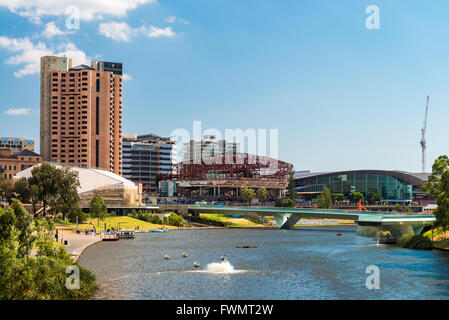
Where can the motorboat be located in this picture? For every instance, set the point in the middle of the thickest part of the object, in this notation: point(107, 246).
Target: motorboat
point(126, 234)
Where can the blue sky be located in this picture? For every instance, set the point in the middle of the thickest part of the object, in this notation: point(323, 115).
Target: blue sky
point(341, 96)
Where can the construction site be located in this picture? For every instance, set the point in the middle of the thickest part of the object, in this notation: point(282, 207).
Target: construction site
point(222, 176)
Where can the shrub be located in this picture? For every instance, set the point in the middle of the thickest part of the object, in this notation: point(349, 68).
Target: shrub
point(278, 203)
point(58, 218)
point(412, 241)
point(289, 203)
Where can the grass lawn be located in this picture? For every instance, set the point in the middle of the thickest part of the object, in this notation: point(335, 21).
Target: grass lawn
point(439, 239)
point(113, 222)
point(230, 221)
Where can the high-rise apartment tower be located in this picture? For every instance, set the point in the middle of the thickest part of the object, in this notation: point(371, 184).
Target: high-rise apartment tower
point(81, 113)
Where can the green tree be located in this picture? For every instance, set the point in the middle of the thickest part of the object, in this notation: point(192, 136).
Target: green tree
point(433, 185)
point(68, 184)
point(288, 203)
point(24, 227)
point(6, 190)
point(338, 197)
point(248, 194)
point(23, 277)
point(291, 185)
point(22, 190)
point(278, 203)
point(262, 194)
point(438, 186)
point(154, 218)
point(76, 213)
point(175, 219)
point(7, 222)
point(45, 178)
point(98, 208)
point(354, 197)
point(442, 211)
point(324, 200)
point(374, 197)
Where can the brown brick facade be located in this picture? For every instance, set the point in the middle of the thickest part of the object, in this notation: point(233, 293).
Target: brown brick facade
point(86, 118)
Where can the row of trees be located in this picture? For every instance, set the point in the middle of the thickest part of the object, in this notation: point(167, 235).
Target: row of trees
point(249, 194)
point(327, 198)
point(173, 219)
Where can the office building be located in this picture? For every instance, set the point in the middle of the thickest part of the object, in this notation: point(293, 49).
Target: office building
point(392, 186)
point(15, 144)
point(147, 159)
point(81, 113)
point(208, 147)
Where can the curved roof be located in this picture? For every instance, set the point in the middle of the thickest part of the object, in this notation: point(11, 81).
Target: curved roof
point(91, 179)
point(411, 178)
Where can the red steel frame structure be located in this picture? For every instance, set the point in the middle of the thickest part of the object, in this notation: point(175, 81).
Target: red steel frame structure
point(232, 166)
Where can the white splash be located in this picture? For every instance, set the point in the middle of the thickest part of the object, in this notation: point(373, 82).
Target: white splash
point(224, 267)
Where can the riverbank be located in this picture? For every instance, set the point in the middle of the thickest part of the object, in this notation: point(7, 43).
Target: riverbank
point(77, 243)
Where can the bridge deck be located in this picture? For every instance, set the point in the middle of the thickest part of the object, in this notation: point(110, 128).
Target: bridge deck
point(374, 217)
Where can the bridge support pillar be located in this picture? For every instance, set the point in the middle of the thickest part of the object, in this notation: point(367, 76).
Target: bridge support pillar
point(286, 220)
point(398, 230)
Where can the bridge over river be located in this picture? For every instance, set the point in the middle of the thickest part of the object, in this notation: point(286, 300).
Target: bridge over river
point(397, 223)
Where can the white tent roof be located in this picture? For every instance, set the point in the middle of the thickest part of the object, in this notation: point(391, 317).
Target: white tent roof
point(91, 179)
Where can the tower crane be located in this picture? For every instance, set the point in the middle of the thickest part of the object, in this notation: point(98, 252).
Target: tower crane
point(423, 138)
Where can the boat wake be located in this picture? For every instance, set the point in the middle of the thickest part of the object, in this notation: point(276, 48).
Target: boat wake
point(224, 267)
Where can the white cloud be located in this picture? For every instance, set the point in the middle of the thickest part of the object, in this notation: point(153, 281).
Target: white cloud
point(89, 9)
point(18, 111)
point(173, 19)
point(127, 77)
point(120, 31)
point(29, 54)
point(183, 21)
point(51, 30)
point(153, 32)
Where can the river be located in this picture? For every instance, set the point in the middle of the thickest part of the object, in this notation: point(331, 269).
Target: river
point(287, 264)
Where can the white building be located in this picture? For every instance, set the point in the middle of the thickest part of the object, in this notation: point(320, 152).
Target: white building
point(116, 191)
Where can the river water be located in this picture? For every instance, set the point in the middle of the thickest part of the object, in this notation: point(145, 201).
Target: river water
point(287, 264)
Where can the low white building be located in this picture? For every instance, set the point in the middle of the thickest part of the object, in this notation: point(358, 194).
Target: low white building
point(116, 191)
point(430, 208)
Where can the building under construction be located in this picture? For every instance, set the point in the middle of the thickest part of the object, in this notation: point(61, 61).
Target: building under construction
point(224, 174)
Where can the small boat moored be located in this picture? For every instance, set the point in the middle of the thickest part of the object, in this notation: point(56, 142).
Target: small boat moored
point(126, 234)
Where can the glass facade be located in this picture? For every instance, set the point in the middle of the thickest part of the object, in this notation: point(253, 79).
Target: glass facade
point(389, 187)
